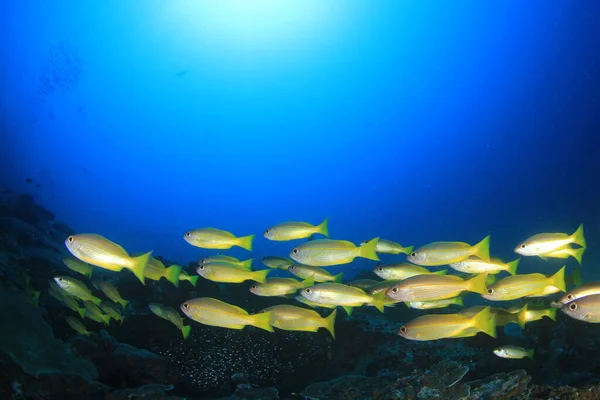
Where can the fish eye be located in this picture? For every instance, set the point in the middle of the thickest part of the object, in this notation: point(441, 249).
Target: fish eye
point(201, 267)
point(380, 269)
point(573, 307)
point(307, 290)
point(186, 305)
point(188, 234)
point(394, 290)
point(295, 251)
point(523, 246)
point(569, 297)
point(293, 267)
point(413, 254)
point(490, 291)
point(403, 329)
point(70, 239)
point(267, 231)
point(253, 287)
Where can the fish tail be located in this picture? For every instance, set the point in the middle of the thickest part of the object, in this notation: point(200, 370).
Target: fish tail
point(96, 300)
point(441, 272)
point(367, 250)
point(578, 237)
point(246, 264)
point(245, 242)
point(338, 278)
point(379, 301)
point(522, 316)
point(185, 331)
point(89, 274)
point(552, 313)
point(348, 310)
point(310, 281)
point(512, 266)
point(478, 284)
point(576, 278)
point(86, 333)
point(330, 323)
point(491, 279)
point(139, 265)
point(172, 274)
point(482, 249)
point(558, 280)
point(81, 312)
point(323, 228)
point(194, 280)
point(577, 254)
point(123, 303)
point(485, 321)
point(530, 354)
point(408, 250)
point(106, 319)
point(460, 300)
point(263, 321)
point(260, 276)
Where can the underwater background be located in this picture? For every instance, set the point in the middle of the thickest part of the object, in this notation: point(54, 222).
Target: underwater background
point(410, 121)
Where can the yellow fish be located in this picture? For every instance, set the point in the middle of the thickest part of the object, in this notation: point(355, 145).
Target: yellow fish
point(429, 305)
point(213, 312)
point(76, 288)
point(435, 287)
point(111, 292)
point(211, 238)
point(101, 252)
point(585, 309)
point(442, 326)
point(517, 286)
point(503, 317)
point(292, 318)
point(513, 352)
point(155, 270)
point(313, 304)
point(338, 294)
point(442, 253)
point(475, 265)
point(80, 267)
point(318, 274)
point(565, 252)
point(172, 316)
point(183, 276)
point(362, 283)
point(282, 263)
point(246, 264)
point(389, 247)
point(77, 326)
point(112, 311)
point(95, 314)
point(218, 272)
point(530, 313)
point(280, 286)
point(584, 290)
point(296, 230)
point(544, 243)
point(326, 252)
point(403, 271)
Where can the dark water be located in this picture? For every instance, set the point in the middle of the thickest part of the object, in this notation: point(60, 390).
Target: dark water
point(413, 122)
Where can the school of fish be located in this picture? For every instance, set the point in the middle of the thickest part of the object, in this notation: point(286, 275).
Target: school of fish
point(410, 282)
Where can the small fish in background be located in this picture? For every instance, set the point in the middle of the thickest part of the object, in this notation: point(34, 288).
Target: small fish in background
point(67, 300)
point(318, 274)
point(292, 318)
point(77, 326)
point(183, 276)
point(442, 253)
point(112, 311)
point(435, 287)
point(532, 313)
point(171, 315)
point(362, 283)
point(389, 247)
point(101, 252)
point(280, 286)
point(246, 264)
point(78, 266)
point(223, 273)
point(337, 294)
point(111, 292)
point(429, 305)
point(403, 271)
point(211, 238)
point(327, 252)
point(586, 309)
point(514, 352)
point(293, 230)
point(554, 245)
point(95, 313)
point(518, 286)
point(213, 312)
point(444, 326)
point(76, 288)
point(503, 317)
point(282, 263)
point(156, 270)
point(475, 265)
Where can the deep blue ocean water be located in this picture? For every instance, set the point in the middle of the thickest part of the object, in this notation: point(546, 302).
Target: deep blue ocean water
point(412, 121)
